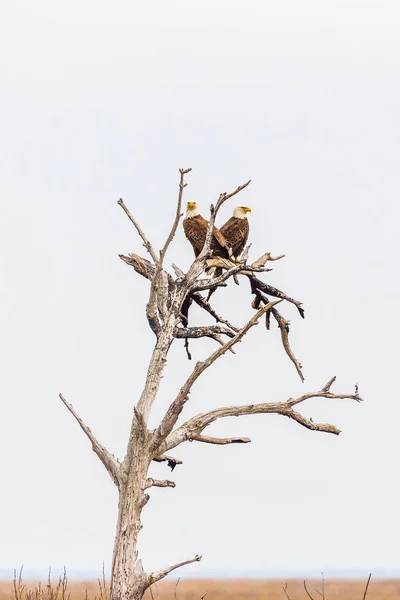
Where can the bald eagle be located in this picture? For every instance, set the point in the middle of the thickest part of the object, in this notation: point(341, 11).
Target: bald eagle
point(236, 230)
point(195, 228)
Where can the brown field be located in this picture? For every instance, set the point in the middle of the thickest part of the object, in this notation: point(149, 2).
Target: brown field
point(231, 589)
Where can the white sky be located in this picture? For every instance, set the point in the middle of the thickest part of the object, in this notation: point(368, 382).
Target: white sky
point(101, 100)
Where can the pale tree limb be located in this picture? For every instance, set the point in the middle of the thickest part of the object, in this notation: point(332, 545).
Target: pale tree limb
point(195, 426)
point(150, 482)
point(265, 258)
point(157, 575)
point(176, 407)
point(220, 441)
point(112, 465)
point(159, 295)
point(145, 241)
point(178, 215)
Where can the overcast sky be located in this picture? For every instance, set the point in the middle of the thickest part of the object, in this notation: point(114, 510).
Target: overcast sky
point(102, 100)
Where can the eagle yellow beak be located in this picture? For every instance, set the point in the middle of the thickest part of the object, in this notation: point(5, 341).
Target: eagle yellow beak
point(191, 204)
point(247, 209)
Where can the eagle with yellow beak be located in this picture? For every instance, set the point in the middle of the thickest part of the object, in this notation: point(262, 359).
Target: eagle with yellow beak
point(236, 230)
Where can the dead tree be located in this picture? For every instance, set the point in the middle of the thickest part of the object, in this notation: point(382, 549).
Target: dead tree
point(167, 312)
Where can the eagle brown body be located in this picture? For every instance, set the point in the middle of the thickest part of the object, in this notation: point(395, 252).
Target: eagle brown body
point(195, 228)
point(236, 230)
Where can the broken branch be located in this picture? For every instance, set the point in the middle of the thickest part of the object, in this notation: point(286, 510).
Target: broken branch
point(150, 482)
point(157, 575)
point(109, 461)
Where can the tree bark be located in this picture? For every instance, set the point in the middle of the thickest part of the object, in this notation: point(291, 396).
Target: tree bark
point(128, 579)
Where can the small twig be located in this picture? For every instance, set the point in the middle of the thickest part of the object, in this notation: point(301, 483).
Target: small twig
point(157, 575)
point(327, 387)
point(109, 461)
point(146, 242)
point(366, 587)
point(224, 197)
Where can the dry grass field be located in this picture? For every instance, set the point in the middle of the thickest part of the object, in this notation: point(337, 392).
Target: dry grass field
point(231, 589)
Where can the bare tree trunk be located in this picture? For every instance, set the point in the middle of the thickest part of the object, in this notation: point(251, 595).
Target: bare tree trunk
point(128, 579)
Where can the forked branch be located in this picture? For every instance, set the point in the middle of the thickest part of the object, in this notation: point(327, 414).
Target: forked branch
point(157, 575)
point(194, 427)
point(109, 461)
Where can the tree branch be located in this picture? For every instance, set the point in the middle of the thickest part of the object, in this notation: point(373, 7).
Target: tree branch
point(258, 285)
point(193, 428)
point(109, 461)
point(170, 460)
point(220, 441)
point(205, 284)
point(283, 325)
point(176, 407)
point(146, 242)
point(199, 332)
point(157, 575)
point(178, 215)
point(150, 482)
point(205, 305)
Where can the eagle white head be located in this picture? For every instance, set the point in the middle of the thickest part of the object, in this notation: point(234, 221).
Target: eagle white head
point(240, 212)
point(191, 210)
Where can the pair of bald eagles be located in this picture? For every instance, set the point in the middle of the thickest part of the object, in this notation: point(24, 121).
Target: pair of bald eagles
point(228, 241)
